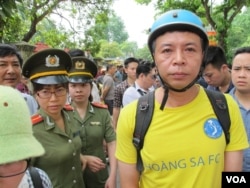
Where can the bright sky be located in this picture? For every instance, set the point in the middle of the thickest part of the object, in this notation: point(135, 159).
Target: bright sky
point(137, 19)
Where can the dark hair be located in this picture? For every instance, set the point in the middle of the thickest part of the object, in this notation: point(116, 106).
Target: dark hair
point(144, 68)
point(37, 87)
point(76, 52)
point(10, 50)
point(130, 60)
point(241, 50)
point(215, 56)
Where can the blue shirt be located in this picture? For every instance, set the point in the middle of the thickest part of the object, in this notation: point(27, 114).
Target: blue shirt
point(246, 118)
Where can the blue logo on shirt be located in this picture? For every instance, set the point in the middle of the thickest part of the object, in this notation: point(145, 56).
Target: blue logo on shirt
point(213, 128)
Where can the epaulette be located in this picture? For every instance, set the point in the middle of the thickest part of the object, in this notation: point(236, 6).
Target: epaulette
point(99, 105)
point(36, 118)
point(68, 107)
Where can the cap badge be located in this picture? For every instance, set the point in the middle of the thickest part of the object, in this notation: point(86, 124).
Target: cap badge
point(80, 65)
point(52, 61)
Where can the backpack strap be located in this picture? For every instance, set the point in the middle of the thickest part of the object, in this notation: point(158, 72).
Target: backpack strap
point(220, 107)
point(36, 178)
point(145, 108)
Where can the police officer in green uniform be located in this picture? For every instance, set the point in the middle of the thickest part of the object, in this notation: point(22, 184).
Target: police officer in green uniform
point(95, 123)
point(54, 125)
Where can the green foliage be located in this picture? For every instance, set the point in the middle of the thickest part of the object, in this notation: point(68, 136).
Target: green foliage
point(109, 50)
point(115, 30)
point(111, 29)
point(128, 48)
point(33, 12)
point(143, 53)
point(49, 33)
point(216, 15)
point(13, 34)
point(238, 32)
point(143, 1)
point(7, 8)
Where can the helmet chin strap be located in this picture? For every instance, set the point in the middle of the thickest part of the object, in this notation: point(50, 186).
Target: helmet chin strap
point(167, 87)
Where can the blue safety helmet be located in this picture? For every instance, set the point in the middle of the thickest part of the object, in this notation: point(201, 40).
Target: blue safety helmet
point(177, 20)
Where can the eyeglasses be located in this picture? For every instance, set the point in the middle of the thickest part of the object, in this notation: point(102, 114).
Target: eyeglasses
point(14, 169)
point(45, 94)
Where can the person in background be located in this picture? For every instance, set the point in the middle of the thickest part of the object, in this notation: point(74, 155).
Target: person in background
point(157, 82)
point(95, 91)
point(95, 123)
point(108, 88)
point(99, 78)
point(118, 77)
point(241, 93)
point(17, 143)
point(54, 124)
point(22, 86)
point(177, 43)
point(130, 65)
point(145, 79)
point(216, 72)
point(10, 72)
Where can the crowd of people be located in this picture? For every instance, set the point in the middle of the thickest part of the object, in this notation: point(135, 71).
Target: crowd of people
point(73, 122)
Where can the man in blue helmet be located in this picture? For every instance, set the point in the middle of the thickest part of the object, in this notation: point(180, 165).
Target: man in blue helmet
point(184, 145)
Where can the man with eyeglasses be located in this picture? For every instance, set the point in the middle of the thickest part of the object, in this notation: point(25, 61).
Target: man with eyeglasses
point(17, 143)
point(145, 79)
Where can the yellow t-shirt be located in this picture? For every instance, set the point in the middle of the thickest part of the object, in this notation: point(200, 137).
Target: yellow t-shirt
point(184, 146)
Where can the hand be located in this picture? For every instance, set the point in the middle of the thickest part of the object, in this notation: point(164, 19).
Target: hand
point(95, 164)
point(83, 161)
point(110, 183)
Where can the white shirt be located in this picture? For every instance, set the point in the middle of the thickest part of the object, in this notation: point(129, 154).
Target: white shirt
point(132, 93)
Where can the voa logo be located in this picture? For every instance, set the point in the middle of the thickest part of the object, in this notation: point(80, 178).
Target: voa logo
point(236, 179)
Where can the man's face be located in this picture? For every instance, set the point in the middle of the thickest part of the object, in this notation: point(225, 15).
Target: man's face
point(213, 76)
point(10, 71)
point(112, 70)
point(149, 79)
point(131, 70)
point(241, 72)
point(178, 56)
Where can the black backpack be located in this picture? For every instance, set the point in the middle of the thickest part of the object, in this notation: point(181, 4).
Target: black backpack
point(145, 108)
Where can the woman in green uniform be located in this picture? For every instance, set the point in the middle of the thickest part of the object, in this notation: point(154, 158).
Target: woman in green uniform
point(95, 123)
point(54, 125)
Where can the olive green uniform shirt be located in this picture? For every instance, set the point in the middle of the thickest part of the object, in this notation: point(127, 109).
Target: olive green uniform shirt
point(62, 150)
point(95, 127)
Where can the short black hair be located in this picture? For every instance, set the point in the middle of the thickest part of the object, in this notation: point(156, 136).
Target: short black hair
point(144, 68)
point(241, 50)
point(10, 50)
point(130, 60)
point(215, 56)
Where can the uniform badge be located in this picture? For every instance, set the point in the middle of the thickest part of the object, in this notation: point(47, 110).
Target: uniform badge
point(52, 61)
point(95, 123)
point(80, 65)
